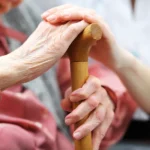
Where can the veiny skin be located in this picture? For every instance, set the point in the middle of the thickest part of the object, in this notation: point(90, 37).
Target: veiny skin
point(47, 44)
point(106, 50)
point(96, 102)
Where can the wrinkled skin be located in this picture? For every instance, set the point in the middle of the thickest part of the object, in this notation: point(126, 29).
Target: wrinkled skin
point(97, 103)
point(6, 5)
point(43, 48)
point(106, 50)
point(96, 100)
point(40, 52)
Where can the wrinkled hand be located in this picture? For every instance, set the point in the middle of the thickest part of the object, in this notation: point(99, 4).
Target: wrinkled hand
point(6, 5)
point(106, 50)
point(97, 103)
point(43, 48)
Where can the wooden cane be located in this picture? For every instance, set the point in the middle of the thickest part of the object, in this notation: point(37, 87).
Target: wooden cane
point(78, 53)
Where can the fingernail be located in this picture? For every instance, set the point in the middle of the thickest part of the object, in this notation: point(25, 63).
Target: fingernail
point(51, 18)
point(68, 116)
point(44, 14)
point(77, 135)
point(68, 121)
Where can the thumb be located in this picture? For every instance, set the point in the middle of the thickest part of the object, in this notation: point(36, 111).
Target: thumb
point(66, 105)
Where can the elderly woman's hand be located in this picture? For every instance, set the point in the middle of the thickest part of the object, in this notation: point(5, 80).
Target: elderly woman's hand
point(94, 101)
point(106, 50)
point(43, 48)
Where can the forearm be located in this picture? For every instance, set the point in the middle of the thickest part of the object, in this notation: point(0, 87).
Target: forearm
point(11, 72)
point(136, 77)
point(7, 73)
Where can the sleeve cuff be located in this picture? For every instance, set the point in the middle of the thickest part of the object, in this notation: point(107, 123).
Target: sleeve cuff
point(112, 95)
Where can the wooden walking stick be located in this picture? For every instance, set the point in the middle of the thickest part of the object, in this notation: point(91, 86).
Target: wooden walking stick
point(78, 53)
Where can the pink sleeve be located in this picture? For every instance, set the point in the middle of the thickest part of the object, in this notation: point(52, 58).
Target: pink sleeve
point(15, 138)
point(25, 124)
point(125, 106)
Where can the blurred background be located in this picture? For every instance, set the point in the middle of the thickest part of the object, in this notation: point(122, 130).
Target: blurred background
point(130, 25)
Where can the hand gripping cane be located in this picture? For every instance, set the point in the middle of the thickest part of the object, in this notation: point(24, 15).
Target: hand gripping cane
point(78, 53)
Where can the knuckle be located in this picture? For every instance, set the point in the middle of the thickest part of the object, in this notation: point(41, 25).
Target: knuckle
point(73, 29)
point(83, 95)
point(110, 115)
point(85, 130)
point(101, 135)
point(103, 92)
point(59, 15)
point(76, 116)
point(93, 102)
point(95, 82)
point(100, 114)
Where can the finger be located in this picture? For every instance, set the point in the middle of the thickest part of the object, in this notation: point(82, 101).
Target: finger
point(54, 10)
point(90, 87)
point(97, 19)
point(100, 132)
point(73, 30)
point(74, 13)
point(92, 18)
point(91, 123)
point(64, 35)
point(66, 105)
point(84, 109)
point(68, 92)
point(64, 15)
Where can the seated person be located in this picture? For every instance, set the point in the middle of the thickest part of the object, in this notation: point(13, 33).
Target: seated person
point(25, 122)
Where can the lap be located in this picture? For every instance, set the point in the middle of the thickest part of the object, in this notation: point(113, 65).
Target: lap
point(13, 137)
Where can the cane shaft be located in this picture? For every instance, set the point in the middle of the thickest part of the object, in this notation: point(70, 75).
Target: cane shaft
point(78, 54)
point(79, 74)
